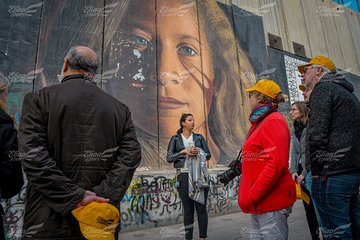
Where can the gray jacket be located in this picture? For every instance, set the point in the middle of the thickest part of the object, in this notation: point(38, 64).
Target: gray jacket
point(298, 153)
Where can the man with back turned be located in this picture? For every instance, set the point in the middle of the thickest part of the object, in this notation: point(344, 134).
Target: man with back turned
point(79, 145)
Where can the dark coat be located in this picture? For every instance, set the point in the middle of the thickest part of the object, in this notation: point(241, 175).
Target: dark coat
point(334, 129)
point(11, 176)
point(176, 145)
point(75, 138)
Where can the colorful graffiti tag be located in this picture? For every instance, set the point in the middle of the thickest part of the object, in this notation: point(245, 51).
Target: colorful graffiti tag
point(151, 201)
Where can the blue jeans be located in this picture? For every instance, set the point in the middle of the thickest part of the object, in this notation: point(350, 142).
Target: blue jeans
point(337, 201)
point(308, 181)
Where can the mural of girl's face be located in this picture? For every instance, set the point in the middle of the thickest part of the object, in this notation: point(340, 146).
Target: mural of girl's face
point(174, 69)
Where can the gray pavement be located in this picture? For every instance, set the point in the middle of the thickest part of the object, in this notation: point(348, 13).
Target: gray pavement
point(228, 227)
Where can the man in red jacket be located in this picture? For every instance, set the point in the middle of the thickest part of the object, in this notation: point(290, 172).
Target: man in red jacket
point(266, 190)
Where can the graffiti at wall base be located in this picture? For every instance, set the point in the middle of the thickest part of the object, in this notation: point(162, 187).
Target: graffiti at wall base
point(151, 201)
point(14, 213)
point(154, 201)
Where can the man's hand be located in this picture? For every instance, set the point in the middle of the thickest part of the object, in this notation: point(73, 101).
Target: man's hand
point(91, 197)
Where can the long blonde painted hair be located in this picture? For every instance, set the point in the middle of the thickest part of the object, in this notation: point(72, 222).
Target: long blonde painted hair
point(3, 91)
point(228, 117)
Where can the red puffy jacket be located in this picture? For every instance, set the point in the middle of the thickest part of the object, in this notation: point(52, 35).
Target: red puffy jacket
point(266, 184)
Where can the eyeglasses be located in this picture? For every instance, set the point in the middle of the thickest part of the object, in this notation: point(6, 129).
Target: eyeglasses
point(309, 67)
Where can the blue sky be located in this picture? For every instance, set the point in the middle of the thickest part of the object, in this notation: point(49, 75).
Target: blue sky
point(353, 4)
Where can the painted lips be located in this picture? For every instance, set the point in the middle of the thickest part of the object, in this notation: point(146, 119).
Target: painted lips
point(170, 103)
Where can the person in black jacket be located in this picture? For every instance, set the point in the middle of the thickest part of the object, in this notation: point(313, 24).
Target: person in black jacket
point(184, 151)
point(79, 145)
point(11, 177)
point(334, 149)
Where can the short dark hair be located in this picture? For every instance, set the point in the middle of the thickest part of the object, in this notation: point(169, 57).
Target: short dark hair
point(79, 61)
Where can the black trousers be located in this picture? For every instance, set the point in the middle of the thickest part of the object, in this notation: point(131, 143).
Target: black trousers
point(310, 212)
point(189, 205)
point(311, 216)
point(2, 233)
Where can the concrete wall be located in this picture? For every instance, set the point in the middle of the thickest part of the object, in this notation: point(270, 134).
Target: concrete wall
point(34, 41)
point(322, 26)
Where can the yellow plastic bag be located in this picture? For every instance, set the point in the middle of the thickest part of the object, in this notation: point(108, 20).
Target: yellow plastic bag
point(300, 194)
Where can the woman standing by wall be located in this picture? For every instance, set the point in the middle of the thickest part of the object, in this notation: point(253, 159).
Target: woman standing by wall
point(184, 151)
point(299, 113)
point(11, 178)
point(266, 189)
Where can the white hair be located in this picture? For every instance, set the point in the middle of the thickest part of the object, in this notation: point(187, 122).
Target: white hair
point(325, 69)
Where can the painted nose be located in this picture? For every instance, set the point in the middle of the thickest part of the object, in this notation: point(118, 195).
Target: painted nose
point(168, 67)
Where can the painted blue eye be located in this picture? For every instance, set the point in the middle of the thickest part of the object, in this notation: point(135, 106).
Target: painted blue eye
point(188, 51)
point(140, 41)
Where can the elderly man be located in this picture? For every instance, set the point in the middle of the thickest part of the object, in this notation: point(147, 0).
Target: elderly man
point(334, 149)
point(78, 145)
